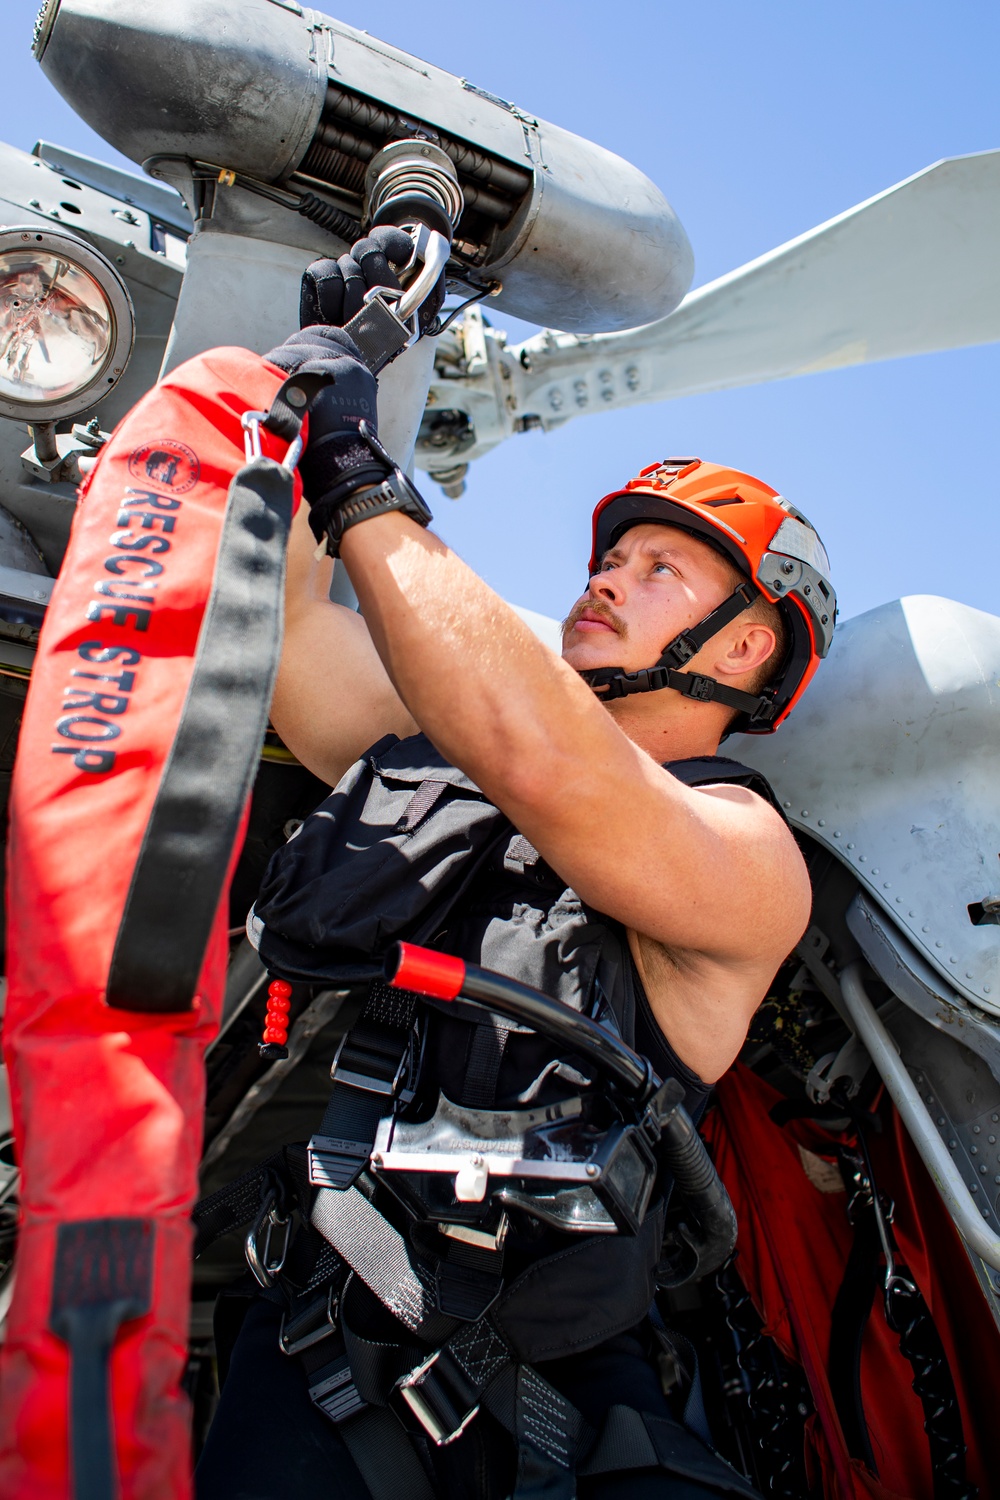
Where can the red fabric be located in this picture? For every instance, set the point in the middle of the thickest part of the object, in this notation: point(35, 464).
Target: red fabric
point(793, 1246)
point(108, 1103)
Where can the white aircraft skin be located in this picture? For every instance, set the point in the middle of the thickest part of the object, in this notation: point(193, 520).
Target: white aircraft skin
point(889, 764)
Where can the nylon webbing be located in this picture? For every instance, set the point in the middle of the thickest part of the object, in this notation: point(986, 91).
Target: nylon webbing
point(365, 1078)
point(385, 1457)
point(377, 1253)
point(174, 892)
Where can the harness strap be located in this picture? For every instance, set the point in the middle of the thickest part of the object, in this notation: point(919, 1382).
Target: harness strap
point(367, 1075)
point(686, 645)
point(377, 1253)
point(384, 1457)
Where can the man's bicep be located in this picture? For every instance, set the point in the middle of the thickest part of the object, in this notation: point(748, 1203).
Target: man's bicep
point(713, 872)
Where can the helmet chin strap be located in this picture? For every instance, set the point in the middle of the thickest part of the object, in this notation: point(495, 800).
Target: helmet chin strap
point(615, 682)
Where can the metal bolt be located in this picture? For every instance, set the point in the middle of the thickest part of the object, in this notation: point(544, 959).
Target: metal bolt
point(976, 1129)
point(477, 1161)
point(376, 1158)
point(788, 567)
point(941, 1120)
point(591, 1170)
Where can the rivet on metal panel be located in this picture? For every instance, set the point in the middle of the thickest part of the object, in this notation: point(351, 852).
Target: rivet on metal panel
point(836, 833)
point(850, 846)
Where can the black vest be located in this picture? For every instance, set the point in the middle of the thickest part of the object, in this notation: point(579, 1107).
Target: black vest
point(407, 847)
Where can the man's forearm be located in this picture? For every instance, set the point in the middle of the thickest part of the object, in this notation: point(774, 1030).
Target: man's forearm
point(333, 698)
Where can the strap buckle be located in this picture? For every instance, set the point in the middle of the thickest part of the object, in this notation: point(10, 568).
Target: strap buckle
point(439, 1394)
point(264, 1267)
point(310, 1326)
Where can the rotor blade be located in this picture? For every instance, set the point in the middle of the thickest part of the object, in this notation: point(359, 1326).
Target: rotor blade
point(912, 270)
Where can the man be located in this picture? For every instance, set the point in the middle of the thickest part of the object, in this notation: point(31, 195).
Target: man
point(703, 881)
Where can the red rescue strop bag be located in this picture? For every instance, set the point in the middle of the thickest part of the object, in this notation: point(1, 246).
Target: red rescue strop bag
point(127, 811)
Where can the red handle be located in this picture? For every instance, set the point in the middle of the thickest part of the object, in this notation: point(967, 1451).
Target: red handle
point(429, 973)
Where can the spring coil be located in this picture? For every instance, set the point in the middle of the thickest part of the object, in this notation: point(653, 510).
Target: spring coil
point(334, 166)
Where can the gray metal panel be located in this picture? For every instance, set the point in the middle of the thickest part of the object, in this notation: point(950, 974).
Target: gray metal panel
point(891, 761)
point(189, 77)
point(160, 202)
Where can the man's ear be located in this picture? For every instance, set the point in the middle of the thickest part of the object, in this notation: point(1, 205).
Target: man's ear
point(749, 648)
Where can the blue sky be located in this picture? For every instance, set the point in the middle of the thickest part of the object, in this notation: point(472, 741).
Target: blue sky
point(758, 122)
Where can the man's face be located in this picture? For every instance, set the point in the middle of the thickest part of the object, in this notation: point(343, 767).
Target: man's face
point(655, 582)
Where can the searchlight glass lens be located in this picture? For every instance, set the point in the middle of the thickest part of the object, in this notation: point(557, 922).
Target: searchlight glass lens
point(56, 327)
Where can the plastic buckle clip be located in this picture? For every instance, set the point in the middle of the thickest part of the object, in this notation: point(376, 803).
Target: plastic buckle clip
point(264, 1268)
point(438, 1393)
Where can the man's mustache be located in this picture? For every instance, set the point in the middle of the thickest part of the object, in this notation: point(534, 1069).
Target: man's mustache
point(599, 608)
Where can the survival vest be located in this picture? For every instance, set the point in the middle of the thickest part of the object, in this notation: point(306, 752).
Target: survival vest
point(408, 848)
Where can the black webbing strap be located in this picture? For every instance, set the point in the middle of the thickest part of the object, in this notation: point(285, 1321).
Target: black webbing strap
point(103, 1276)
point(181, 868)
point(690, 642)
point(174, 892)
point(367, 1076)
point(235, 1204)
point(378, 333)
point(479, 1086)
point(384, 1457)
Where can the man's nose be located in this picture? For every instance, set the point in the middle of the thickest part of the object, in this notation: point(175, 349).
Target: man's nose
point(608, 586)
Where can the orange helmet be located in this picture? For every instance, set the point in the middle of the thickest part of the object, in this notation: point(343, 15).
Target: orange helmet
point(771, 543)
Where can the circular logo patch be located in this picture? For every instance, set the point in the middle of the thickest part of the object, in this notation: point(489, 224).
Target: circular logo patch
point(166, 463)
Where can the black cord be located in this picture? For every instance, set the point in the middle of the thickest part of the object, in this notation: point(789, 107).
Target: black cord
point(437, 327)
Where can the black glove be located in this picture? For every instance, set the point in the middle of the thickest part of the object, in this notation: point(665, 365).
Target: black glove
point(332, 291)
point(343, 456)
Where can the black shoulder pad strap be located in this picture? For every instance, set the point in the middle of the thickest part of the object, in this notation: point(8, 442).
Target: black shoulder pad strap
point(711, 770)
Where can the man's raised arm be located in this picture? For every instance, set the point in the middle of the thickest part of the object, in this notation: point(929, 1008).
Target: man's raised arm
point(333, 697)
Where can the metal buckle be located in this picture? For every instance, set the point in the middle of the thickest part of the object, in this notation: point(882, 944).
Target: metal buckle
point(261, 1264)
point(431, 1397)
point(313, 1335)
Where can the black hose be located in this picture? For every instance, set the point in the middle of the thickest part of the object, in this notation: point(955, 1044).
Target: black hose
point(567, 1028)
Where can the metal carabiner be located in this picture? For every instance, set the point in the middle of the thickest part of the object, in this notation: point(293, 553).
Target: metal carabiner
point(251, 424)
point(268, 1219)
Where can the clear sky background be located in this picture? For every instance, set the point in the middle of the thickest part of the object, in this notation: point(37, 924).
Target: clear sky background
point(758, 122)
